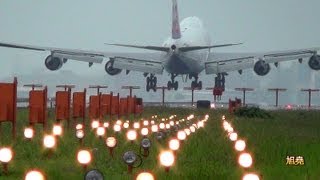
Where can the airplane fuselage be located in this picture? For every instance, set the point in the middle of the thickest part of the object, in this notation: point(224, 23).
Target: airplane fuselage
point(193, 33)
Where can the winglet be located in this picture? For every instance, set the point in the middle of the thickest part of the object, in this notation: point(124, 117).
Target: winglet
point(176, 33)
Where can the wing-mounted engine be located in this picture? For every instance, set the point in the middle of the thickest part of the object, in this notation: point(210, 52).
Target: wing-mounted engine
point(110, 69)
point(53, 63)
point(261, 68)
point(314, 62)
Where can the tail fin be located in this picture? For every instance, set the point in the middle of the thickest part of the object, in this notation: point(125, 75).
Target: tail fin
point(176, 33)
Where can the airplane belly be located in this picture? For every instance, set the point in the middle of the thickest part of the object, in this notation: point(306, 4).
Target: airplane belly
point(178, 64)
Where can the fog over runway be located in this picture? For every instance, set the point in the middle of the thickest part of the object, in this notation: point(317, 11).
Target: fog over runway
point(261, 26)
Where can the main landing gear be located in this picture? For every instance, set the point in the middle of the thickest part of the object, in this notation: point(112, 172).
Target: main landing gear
point(195, 84)
point(151, 83)
point(220, 81)
point(173, 84)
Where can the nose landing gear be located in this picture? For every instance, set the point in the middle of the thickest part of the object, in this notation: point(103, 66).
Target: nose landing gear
point(173, 84)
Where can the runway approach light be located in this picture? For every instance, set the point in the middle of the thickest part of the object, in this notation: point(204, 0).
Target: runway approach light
point(181, 135)
point(174, 144)
point(111, 143)
point(245, 160)
point(240, 145)
point(95, 124)
point(101, 132)
point(171, 123)
point(250, 176)
point(119, 122)
point(145, 122)
point(144, 131)
point(145, 176)
point(5, 157)
point(131, 135)
point(106, 124)
point(152, 122)
point(136, 125)
point(168, 126)
point(49, 141)
point(200, 124)
point(79, 134)
point(79, 126)
point(57, 130)
point(34, 175)
point(154, 128)
point(129, 158)
point(84, 158)
point(126, 125)
point(166, 159)
point(162, 126)
point(28, 133)
point(145, 144)
point(233, 136)
point(192, 129)
point(117, 128)
point(187, 131)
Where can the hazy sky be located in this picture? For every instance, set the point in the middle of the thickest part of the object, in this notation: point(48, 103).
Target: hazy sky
point(261, 25)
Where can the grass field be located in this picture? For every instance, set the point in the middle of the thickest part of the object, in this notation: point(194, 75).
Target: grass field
point(207, 154)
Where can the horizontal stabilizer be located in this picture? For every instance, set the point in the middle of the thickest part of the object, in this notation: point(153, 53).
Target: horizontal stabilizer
point(194, 48)
point(154, 48)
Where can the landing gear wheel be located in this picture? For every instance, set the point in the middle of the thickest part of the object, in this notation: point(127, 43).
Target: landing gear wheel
point(148, 87)
point(175, 85)
point(193, 85)
point(169, 85)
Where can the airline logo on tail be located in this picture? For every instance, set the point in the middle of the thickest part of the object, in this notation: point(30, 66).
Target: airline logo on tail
point(176, 33)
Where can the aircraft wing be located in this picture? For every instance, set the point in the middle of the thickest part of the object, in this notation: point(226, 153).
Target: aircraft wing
point(226, 62)
point(133, 64)
point(80, 55)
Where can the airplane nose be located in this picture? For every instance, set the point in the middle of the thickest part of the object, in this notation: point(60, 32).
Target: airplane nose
point(173, 47)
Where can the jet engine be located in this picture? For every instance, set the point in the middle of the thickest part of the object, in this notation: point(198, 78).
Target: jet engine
point(53, 63)
point(261, 68)
point(110, 69)
point(314, 62)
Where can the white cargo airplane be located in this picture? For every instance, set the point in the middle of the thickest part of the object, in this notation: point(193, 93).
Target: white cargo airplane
point(186, 52)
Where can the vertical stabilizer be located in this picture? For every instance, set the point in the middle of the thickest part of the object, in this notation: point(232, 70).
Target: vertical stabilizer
point(176, 33)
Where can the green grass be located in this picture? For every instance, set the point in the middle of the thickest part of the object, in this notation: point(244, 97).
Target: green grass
point(207, 154)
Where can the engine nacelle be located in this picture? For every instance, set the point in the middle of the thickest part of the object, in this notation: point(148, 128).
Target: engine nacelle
point(261, 68)
point(53, 63)
point(110, 69)
point(314, 62)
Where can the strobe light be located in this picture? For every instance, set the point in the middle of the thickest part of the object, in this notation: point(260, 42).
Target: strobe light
point(129, 158)
point(111, 143)
point(145, 145)
point(5, 157)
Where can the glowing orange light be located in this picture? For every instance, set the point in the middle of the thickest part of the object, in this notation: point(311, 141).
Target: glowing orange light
point(181, 135)
point(131, 135)
point(174, 144)
point(106, 124)
point(136, 125)
point(154, 128)
point(233, 136)
point(84, 157)
point(162, 125)
point(245, 160)
point(167, 158)
point(28, 133)
point(144, 131)
point(111, 142)
point(57, 130)
point(94, 124)
point(117, 128)
point(250, 176)
point(5, 155)
point(240, 145)
point(145, 176)
point(101, 131)
point(49, 141)
point(34, 175)
point(79, 126)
